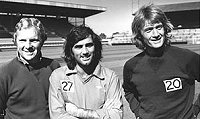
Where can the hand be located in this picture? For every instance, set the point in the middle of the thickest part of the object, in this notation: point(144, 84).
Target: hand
point(87, 114)
point(94, 115)
point(138, 118)
point(71, 108)
point(196, 110)
point(194, 117)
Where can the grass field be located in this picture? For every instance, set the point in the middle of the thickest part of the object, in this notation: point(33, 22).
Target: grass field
point(114, 57)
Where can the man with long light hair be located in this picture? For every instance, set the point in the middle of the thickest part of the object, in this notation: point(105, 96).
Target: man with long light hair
point(159, 82)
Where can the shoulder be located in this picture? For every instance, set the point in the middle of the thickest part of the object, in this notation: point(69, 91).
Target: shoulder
point(106, 70)
point(10, 66)
point(134, 60)
point(61, 72)
point(183, 58)
point(178, 50)
point(61, 69)
point(10, 69)
point(107, 73)
point(50, 62)
point(182, 53)
point(58, 74)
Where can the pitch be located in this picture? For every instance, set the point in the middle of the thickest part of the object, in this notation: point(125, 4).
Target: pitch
point(114, 57)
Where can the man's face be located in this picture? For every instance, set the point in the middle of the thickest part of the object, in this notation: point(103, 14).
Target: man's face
point(84, 51)
point(153, 34)
point(28, 43)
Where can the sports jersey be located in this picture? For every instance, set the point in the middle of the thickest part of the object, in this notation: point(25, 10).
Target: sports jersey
point(24, 89)
point(100, 91)
point(162, 87)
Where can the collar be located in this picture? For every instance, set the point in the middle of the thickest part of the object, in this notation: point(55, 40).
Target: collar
point(97, 72)
point(19, 57)
point(27, 64)
point(22, 60)
point(69, 72)
point(155, 52)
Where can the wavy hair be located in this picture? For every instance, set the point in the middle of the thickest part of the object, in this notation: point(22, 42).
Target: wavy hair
point(26, 23)
point(75, 35)
point(152, 14)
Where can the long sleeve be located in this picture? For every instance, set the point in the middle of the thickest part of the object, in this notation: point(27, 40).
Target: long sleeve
point(112, 107)
point(56, 101)
point(196, 107)
point(130, 90)
point(194, 71)
point(3, 91)
point(2, 96)
point(193, 66)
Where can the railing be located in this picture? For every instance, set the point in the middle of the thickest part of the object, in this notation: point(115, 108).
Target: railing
point(59, 4)
point(10, 45)
point(190, 36)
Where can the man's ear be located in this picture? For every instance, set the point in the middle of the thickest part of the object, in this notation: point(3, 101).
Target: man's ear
point(44, 37)
point(14, 39)
point(42, 43)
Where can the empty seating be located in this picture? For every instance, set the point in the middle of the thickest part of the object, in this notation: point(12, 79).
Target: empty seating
point(4, 33)
point(58, 26)
point(191, 36)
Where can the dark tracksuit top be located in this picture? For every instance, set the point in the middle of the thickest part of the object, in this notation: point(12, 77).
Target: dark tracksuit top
point(162, 87)
point(24, 89)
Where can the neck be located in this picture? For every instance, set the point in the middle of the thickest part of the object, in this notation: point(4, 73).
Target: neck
point(86, 70)
point(155, 52)
point(33, 61)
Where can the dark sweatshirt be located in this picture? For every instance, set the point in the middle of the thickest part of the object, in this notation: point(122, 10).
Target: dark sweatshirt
point(163, 86)
point(24, 89)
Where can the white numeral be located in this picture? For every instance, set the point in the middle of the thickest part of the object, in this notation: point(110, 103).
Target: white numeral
point(173, 84)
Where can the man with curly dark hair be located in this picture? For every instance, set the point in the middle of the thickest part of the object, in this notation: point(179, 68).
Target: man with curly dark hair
point(84, 88)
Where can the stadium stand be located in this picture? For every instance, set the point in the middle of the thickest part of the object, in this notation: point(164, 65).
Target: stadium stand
point(185, 18)
point(190, 36)
point(57, 26)
point(121, 39)
point(53, 14)
point(9, 22)
point(4, 32)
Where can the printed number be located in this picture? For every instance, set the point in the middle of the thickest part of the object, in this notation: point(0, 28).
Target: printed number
point(66, 85)
point(173, 84)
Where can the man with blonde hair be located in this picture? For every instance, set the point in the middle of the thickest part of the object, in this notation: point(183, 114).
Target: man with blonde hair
point(159, 82)
point(24, 81)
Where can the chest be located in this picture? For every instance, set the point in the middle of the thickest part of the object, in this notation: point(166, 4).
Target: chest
point(91, 94)
point(26, 85)
point(160, 76)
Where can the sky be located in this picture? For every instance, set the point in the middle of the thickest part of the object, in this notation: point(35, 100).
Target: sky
point(118, 15)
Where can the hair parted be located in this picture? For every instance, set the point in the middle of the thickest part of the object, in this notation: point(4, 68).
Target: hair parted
point(152, 14)
point(26, 23)
point(76, 34)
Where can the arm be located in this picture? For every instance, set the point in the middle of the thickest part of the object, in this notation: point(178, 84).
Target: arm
point(80, 112)
point(194, 68)
point(2, 100)
point(112, 108)
point(59, 109)
point(3, 94)
point(56, 101)
point(130, 91)
point(196, 107)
